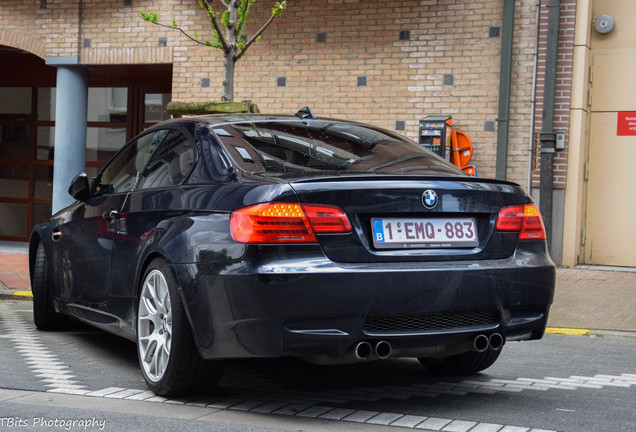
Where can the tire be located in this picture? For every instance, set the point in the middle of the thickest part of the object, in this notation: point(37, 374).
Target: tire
point(44, 315)
point(468, 363)
point(168, 356)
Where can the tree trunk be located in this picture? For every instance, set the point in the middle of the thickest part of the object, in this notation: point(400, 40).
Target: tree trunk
point(228, 76)
point(228, 73)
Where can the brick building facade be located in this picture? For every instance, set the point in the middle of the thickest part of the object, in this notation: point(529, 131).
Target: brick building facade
point(386, 63)
point(417, 58)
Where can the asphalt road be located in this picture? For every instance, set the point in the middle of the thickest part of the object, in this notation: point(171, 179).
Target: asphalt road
point(561, 383)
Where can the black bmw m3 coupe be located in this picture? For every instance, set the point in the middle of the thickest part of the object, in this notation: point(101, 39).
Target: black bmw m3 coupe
point(219, 237)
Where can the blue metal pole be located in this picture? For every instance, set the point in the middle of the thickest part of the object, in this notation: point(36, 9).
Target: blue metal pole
point(70, 131)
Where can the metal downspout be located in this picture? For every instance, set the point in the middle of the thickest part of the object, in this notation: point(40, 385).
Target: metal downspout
point(534, 94)
point(504, 89)
point(547, 135)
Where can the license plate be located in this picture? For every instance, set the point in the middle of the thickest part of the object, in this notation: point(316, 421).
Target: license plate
point(424, 233)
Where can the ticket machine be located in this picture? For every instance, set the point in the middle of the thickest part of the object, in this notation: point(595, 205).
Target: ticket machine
point(435, 135)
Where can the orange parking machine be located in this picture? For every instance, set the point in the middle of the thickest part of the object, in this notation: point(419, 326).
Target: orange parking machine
point(436, 135)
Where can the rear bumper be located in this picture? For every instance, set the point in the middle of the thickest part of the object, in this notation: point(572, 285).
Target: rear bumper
point(312, 307)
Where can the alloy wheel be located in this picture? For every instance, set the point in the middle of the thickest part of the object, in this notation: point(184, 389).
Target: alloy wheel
point(154, 325)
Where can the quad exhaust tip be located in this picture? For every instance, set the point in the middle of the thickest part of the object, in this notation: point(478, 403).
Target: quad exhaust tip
point(364, 350)
point(494, 342)
point(383, 350)
point(480, 343)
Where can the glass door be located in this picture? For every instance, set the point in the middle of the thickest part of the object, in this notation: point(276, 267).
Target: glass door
point(27, 130)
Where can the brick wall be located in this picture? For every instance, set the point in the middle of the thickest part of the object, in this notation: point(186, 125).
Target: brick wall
point(449, 64)
point(20, 27)
point(565, 55)
point(405, 80)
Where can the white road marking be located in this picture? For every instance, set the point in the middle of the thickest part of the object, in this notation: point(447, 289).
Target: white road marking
point(44, 364)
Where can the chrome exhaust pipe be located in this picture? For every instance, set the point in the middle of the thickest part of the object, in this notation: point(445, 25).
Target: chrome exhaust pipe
point(496, 341)
point(383, 350)
point(363, 350)
point(480, 343)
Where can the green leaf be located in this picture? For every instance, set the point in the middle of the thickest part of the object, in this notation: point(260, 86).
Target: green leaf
point(150, 17)
point(278, 8)
point(217, 43)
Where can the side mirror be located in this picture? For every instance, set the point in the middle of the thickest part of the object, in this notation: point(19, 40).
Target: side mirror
point(79, 188)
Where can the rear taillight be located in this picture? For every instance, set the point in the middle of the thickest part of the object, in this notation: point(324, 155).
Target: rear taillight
point(327, 219)
point(287, 223)
point(524, 219)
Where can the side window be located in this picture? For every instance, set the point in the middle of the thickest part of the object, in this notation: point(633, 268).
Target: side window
point(121, 173)
point(170, 164)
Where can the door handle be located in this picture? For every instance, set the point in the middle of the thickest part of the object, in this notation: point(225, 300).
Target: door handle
point(111, 214)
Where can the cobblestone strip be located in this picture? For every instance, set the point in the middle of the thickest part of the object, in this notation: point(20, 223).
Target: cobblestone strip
point(44, 364)
point(290, 406)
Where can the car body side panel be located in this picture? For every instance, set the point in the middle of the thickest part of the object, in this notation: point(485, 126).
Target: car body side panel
point(177, 225)
point(81, 248)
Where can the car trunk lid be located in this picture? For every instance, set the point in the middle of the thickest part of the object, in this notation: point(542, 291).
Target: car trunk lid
point(428, 218)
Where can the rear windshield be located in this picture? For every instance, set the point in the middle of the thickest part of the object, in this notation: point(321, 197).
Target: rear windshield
point(325, 146)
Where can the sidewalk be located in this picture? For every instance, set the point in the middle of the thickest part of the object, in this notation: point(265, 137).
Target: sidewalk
point(597, 298)
point(600, 298)
point(14, 270)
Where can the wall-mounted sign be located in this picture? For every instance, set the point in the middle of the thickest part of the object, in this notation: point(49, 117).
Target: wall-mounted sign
point(626, 123)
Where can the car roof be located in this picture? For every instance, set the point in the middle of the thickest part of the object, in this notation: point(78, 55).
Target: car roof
point(224, 119)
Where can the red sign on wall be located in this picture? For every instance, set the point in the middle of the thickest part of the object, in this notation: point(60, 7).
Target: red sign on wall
point(626, 123)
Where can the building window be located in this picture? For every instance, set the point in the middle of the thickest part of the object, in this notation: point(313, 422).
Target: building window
point(15, 101)
point(26, 169)
point(155, 107)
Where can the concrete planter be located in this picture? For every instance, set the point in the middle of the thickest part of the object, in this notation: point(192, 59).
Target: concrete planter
point(210, 107)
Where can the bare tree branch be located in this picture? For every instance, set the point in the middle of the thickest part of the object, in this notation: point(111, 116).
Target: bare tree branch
point(207, 4)
point(182, 31)
point(232, 21)
point(217, 27)
point(222, 38)
point(241, 53)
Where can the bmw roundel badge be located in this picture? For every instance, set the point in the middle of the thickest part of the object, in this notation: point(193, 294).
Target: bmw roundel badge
point(429, 199)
